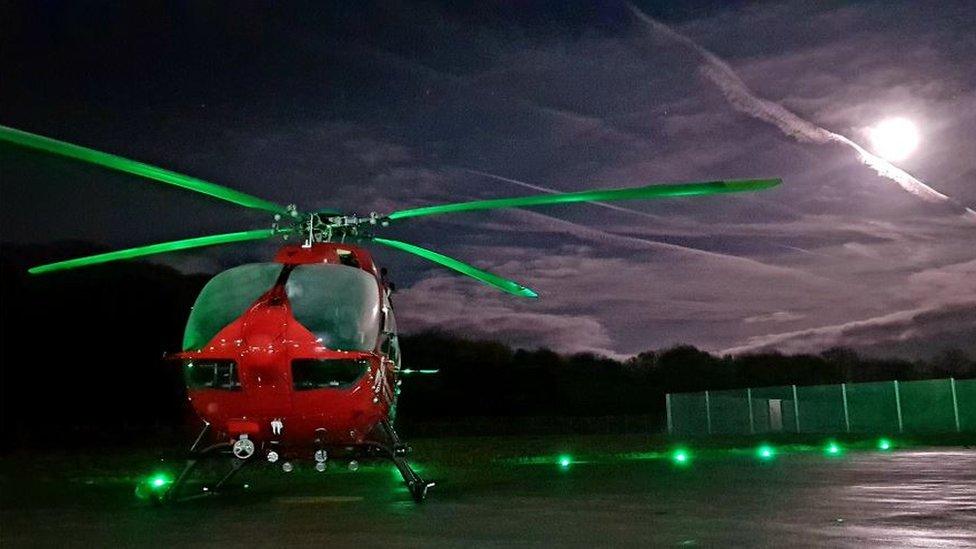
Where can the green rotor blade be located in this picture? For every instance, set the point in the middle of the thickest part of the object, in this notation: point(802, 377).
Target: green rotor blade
point(153, 249)
point(114, 162)
point(470, 270)
point(626, 193)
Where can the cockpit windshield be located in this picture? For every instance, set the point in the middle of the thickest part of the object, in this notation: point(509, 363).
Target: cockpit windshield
point(339, 304)
point(225, 298)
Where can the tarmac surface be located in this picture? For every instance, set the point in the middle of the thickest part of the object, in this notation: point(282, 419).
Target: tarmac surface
point(502, 493)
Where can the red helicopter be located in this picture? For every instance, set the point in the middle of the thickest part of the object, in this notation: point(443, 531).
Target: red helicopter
point(298, 358)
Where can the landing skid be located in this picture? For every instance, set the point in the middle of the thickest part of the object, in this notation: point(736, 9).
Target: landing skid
point(391, 447)
point(198, 454)
point(396, 451)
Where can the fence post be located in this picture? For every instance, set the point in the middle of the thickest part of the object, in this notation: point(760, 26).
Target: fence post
point(955, 402)
point(752, 422)
point(667, 406)
point(796, 409)
point(901, 426)
point(708, 413)
point(847, 415)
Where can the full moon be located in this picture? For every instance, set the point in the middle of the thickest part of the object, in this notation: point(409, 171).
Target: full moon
point(894, 138)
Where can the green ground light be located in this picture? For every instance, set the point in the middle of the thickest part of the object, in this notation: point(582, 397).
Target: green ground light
point(565, 461)
point(681, 456)
point(833, 449)
point(765, 452)
point(154, 486)
point(884, 444)
point(159, 481)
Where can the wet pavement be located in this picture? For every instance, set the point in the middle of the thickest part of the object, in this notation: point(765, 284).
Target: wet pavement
point(921, 497)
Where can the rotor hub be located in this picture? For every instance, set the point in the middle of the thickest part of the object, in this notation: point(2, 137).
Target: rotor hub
point(333, 227)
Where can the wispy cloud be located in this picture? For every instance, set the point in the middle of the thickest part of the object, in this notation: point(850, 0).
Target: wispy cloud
point(951, 323)
point(477, 312)
point(778, 316)
point(550, 190)
point(744, 100)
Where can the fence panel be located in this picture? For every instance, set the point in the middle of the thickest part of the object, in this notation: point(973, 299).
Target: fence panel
point(821, 409)
point(966, 398)
point(688, 414)
point(872, 407)
point(730, 412)
point(926, 406)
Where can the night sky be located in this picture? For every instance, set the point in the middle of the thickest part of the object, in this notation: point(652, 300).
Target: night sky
point(363, 107)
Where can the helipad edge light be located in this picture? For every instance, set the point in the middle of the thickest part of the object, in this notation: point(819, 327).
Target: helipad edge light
point(681, 456)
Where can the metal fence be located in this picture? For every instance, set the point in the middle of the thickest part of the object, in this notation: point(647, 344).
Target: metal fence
point(929, 406)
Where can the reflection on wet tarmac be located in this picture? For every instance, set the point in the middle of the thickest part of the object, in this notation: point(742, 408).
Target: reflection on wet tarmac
point(905, 498)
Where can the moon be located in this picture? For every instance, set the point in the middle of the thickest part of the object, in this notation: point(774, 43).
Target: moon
point(894, 138)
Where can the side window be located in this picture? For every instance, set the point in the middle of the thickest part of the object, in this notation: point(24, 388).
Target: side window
point(310, 373)
point(389, 320)
point(391, 347)
point(211, 374)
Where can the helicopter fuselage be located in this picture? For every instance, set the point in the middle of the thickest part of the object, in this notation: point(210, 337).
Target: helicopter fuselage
point(269, 377)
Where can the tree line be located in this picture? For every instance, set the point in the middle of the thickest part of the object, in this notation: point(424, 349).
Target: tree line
point(489, 378)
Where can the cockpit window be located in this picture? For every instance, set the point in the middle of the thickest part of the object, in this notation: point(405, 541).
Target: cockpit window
point(225, 298)
point(339, 304)
point(211, 374)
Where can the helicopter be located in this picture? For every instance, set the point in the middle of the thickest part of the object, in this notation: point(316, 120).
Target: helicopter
point(297, 358)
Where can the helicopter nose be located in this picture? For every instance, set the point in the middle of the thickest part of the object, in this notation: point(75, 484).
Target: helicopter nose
point(264, 326)
point(261, 366)
point(258, 340)
point(264, 376)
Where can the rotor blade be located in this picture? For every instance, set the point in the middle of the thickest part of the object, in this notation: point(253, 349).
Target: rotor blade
point(459, 266)
point(626, 193)
point(114, 162)
point(153, 249)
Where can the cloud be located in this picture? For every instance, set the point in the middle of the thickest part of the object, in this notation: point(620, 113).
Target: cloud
point(452, 304)
point(744, 100)
point(652, 296)
point(912, 330)
point(778, 316)
point(377, 153)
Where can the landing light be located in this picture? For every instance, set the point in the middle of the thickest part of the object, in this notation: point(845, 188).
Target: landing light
point(681, 456)
point(765, 452)
point(884, 444)
point(565, 461)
